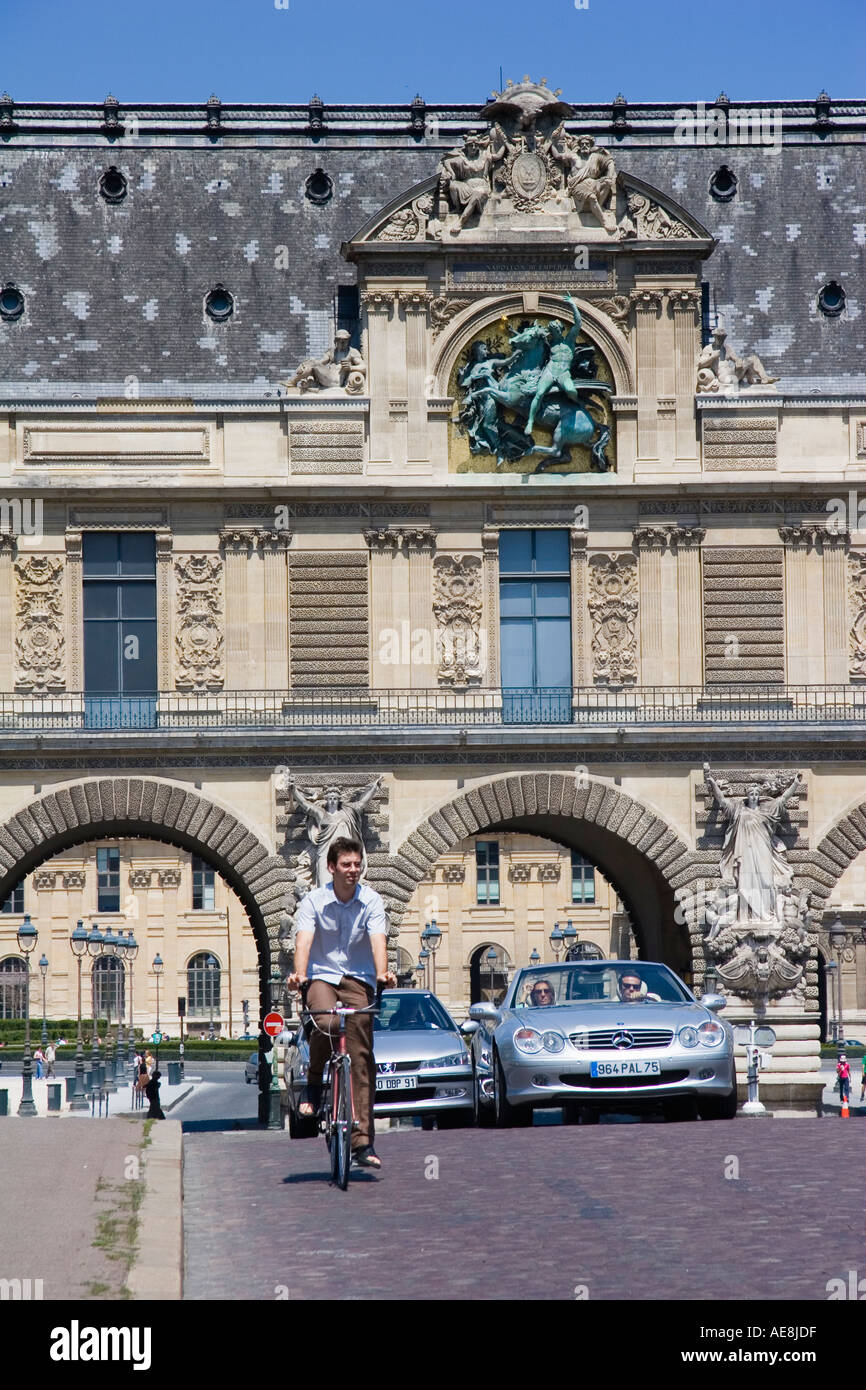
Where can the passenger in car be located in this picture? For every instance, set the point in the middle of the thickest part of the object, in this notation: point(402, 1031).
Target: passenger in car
point(541, 994)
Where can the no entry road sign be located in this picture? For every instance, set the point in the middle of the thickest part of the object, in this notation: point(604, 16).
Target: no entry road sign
point(273, 1025)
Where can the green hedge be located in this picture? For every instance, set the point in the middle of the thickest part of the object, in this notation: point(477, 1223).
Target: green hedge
point(57, 1027)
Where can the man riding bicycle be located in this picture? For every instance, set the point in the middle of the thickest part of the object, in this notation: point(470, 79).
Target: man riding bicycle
point(341, 950)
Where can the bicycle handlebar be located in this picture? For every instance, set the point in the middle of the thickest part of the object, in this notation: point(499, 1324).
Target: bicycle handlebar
point(340, 1008)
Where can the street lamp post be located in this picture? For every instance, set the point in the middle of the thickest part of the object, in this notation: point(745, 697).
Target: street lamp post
point(119, 1045)
point(423, 957)
point(27, 938)
point(158, 965)
point(556, 940)
point(131, 953)
point(210, 966)
point(491, 965)
point(94, 950)
point(432, 939)
point(534, 958)
point(110, 952)
point(43, 971)
point(78, 942)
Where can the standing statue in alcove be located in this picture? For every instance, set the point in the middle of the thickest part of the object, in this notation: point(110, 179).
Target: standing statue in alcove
point(335, 819)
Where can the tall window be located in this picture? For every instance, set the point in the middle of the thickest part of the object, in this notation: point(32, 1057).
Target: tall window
point(119, 583)
point(108, 992)
point(203, 987)
point(108, 879)
point(203, 877)
point(13, 982)
point(535, 625)
point(15, 901)
point(582, 879)
point(487, 871)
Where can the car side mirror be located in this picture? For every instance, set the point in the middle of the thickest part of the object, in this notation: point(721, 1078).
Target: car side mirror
point(290, 1037)
point(469, 1027)
point(485, 1013)
point(714, 1002)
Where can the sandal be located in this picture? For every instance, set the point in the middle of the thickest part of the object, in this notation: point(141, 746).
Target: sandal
point(311, 1100)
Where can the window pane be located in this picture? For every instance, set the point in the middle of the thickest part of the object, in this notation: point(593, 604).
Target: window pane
point(553, 656)
point(101, 600)
point(552, 598)
point(515, 599)
point(100, 553)
point(137, 552)
point(515, 552)
point(515, 641)
point(138, 647)
point(551, 551)
point(138, 600)
point(101, 673)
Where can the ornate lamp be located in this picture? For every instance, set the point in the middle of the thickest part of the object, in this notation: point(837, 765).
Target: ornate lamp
point(27, 938)
point(556, 940)
point(43, 971)
point(78, 941)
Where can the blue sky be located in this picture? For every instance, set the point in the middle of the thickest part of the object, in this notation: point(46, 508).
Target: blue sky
point(449, 50)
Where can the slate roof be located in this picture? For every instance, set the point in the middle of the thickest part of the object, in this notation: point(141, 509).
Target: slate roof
point(115, 293)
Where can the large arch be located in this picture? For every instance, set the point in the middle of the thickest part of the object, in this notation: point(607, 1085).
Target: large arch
point(154, 809)
point(642, 855)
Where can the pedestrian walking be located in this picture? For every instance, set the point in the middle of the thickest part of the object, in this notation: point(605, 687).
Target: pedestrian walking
point(150, 1063)
point(843, 1077)
point(50, 1058)
point(152, 1093)
point(39, 1059)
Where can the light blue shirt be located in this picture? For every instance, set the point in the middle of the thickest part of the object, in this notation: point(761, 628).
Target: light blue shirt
point(342, 931)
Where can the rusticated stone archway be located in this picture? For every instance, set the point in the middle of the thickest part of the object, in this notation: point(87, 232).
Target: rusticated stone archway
point(153, 809)
point(839, 847)
point(634, 846)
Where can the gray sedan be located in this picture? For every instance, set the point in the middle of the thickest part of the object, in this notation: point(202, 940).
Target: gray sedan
point(423, 1065)
point(600, 1035)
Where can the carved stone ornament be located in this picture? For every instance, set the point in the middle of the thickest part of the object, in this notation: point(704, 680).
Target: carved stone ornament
point(341, 369)
point(618, 308)
point(44, 879)
point(721, 372)
point(169, 878)
point(613, 606)
point(454, 873)
point(857, 609)
point(408, 223)
point(39, 640)
point(648, 221)
point(457, 607)
point(443, 310)
point(139, 878)
point(199, 637)
point(520, 873)
point(550, 873)
point(74, 878)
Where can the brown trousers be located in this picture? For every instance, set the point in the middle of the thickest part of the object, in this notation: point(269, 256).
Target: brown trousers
point(359, 1042)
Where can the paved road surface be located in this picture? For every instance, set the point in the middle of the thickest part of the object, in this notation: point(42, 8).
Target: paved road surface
point(630, 1211)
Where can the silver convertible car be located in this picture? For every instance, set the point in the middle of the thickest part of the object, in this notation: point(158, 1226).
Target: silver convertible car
point(423, 1065)
point(601, 1035)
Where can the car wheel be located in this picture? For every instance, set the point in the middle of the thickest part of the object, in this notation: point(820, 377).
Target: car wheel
point(483, 1113)
point(719, 1107)
point(507, 1116)
point(680, 1108)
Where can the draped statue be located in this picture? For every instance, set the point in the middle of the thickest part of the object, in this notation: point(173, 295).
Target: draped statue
point(753, 855)
point(335, 819)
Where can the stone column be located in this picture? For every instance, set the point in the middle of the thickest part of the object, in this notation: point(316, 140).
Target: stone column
point(834, 545)
point(379, 307)
point(274, 545)
point(385, 639)
point(164, 548)
point(520, 876)
point(454, 878)
point(647, 311)
point(686, 542)
point(420, 545)
point(797, 540)
point(8, 543)
point(490, 561)
point(579, 673)
point(651, 543)
point(416, 305)
point(237, 546)
point(685, 308)
point(74, 610)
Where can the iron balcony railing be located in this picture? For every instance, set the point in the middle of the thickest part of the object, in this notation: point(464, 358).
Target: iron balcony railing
point(588, 706)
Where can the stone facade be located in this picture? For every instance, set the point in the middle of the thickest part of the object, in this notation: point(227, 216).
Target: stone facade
point(331, 586)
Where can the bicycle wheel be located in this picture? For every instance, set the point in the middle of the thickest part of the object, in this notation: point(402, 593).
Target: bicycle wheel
point(343, 1128)
point(334, 1088)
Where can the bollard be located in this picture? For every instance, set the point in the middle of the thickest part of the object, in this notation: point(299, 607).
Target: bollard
point(70, 1087)
point(4, 1102)
point(54, 1097)
point(174, 1073)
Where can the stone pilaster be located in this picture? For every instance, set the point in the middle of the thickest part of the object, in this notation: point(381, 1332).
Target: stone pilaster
point(685, 305)
point(648, 305)
point(274, 545)
point(420, 545)
point(237, 546)
point(577, 550)
point(650, 543)
point(797, 541)
point(379, 308)
point(164, 548)
point(686, 543)
point(490, 562)
point(834, 545)
point(75, 608)
point(7, 608)
point(416, 305)
point(384, 636)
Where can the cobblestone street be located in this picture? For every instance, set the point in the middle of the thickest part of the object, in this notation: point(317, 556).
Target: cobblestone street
point(629, 1211)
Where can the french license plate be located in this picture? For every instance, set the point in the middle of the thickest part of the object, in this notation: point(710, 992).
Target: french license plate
point(636, 1067)
point(396, 1083)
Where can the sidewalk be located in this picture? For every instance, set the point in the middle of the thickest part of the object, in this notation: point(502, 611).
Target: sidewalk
point(119, 1103)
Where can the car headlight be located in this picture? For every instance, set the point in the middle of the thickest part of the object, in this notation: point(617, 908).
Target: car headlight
point(454, 1059)
point(688, 1037)
point(528, 1040)
point(711, 1033)
point(553, 1042)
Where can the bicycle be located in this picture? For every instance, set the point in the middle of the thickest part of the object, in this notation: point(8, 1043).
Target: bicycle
point(336, 1110)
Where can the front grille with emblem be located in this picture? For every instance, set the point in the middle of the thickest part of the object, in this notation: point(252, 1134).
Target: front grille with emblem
point(390, 1068)
point(603, 1038)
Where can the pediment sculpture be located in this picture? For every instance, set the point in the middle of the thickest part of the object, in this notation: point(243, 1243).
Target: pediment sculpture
point(342, 367)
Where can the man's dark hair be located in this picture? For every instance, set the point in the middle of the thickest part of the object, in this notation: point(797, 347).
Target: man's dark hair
point(343, 845)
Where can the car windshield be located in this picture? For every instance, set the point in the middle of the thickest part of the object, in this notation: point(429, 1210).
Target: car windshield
point(601, 982)
point(410, 1012)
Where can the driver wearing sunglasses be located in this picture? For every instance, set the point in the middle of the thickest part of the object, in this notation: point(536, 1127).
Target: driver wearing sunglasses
point(541, 994)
